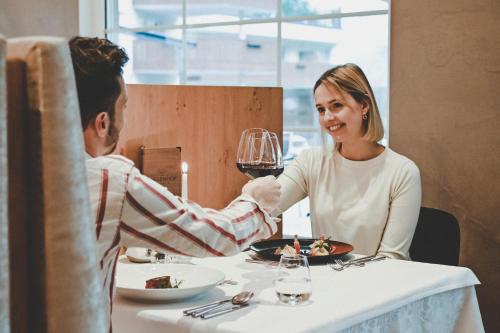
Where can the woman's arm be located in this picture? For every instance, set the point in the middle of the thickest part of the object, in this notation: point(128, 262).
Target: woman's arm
point(293, 182)
point(404, 209)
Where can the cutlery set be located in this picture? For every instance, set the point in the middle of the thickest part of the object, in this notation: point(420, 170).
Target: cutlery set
point(340, 265)
point(211, 310)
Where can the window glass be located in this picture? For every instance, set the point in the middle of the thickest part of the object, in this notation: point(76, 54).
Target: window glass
point(149, 13)
point(155, 56)
point(232, 55)
point(202, 11)
point(322, 7)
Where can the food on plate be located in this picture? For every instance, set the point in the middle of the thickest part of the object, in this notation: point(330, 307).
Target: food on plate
point(296, 244)
point(287, 249)
point(322, 247)
point(161, 282)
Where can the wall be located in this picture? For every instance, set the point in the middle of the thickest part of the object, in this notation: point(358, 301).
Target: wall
point(38, 17)
point(445, 115)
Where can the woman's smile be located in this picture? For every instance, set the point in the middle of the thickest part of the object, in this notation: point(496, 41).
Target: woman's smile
point(335, 127)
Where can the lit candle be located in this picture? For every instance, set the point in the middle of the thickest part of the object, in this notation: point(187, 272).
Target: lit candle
point(184, 183)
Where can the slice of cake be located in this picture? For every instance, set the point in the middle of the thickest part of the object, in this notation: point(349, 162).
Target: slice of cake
point(161, 282)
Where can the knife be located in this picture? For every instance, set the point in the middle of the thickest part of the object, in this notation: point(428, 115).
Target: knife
point(361, 259)
point(205, 307)
point(221, 312)
point(365, 261)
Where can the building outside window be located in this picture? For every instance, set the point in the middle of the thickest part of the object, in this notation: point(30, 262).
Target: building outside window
point(285, 43)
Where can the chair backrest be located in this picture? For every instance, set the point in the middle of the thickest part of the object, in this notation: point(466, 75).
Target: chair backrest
point(437, 238)
point(54, 281)
point(4, 247)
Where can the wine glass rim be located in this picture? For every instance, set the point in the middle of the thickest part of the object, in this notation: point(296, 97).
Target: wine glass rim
point(256, 129)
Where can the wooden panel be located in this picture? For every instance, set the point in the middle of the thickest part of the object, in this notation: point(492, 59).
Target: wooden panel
point(206, 123)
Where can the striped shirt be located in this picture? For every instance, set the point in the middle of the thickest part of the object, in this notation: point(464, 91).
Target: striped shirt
point(130, 209)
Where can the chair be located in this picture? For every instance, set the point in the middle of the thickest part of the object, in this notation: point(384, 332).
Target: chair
point(437, 238)
point(54, 281)
point(4, 247)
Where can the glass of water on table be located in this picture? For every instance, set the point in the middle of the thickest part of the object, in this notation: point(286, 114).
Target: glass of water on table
point(293, 280)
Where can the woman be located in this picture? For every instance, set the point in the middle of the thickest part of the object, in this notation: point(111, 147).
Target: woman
point(360, 192)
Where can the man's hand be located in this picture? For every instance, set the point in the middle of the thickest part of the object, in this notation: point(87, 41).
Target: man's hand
point(265, 190)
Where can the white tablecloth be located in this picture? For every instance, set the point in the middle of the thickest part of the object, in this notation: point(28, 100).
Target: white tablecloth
point(384, 296)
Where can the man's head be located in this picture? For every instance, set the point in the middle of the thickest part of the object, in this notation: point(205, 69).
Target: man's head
point(102, 94)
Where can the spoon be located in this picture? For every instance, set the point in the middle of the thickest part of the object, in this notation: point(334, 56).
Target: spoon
point(238, 299)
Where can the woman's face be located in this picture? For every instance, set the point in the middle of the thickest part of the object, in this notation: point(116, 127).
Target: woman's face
point(340, 115)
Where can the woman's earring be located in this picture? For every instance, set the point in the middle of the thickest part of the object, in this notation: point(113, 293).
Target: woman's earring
point(365, 116)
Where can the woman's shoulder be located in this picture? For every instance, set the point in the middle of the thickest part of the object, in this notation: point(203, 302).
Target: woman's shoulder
point(401, 162)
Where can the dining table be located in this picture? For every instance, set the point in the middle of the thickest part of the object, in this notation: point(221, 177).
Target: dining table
point(383, 296)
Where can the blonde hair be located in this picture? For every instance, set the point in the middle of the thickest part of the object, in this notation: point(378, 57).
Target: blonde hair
point(350, 79)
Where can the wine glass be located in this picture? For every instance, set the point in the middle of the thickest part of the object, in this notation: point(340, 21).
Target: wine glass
point(259, 153)
point(293, 281)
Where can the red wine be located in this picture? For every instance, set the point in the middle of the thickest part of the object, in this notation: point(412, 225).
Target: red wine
point(259, 170)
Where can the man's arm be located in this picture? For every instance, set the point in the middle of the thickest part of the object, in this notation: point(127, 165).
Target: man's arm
point(154, 217)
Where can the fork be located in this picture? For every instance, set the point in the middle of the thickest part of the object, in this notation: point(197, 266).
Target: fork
point(340, 265)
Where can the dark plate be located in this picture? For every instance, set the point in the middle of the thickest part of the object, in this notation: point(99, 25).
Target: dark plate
point(266, 248)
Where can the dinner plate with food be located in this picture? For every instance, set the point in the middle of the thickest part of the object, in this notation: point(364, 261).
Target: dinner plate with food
point(318, 250)
point(159, 282)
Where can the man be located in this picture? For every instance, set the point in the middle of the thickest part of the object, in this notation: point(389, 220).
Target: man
point(132, 210)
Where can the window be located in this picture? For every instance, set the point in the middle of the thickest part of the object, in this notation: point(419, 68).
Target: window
point(287, 43)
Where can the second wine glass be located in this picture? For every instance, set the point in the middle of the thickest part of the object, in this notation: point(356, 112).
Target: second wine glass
point(259, 153)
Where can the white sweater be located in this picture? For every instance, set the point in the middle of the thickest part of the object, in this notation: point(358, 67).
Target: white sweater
point(372, 205)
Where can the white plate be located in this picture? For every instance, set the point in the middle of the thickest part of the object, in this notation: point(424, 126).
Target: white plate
point(131, 280)
point(138, 254)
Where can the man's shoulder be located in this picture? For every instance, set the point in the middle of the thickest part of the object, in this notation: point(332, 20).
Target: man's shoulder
point(111, 162)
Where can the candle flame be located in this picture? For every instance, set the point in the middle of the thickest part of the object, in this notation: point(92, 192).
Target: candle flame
point(184, 167)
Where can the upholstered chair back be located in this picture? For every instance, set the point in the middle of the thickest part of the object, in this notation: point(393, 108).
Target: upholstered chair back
point(54, 282)
point(4, 247)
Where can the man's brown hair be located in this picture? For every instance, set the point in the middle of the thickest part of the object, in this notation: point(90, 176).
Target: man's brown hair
point(98, 64)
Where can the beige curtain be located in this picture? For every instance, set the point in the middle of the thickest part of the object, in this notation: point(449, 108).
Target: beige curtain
point(4, 249)
point(54, 283)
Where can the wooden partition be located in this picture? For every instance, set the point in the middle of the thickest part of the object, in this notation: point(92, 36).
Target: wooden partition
point(206, 123)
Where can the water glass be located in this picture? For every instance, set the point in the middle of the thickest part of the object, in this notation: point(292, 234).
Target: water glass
point(293, 281)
